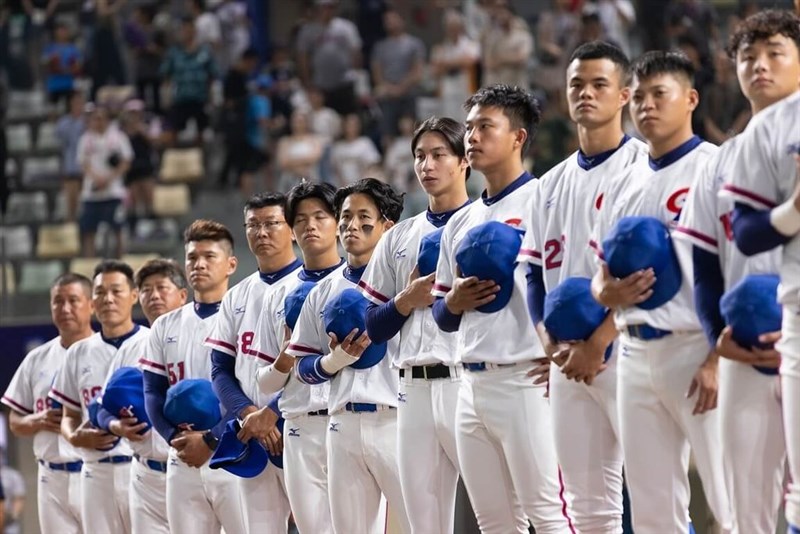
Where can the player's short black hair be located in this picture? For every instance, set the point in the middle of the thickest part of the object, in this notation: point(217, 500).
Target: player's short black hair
point(161, 267)
point(604, 50)
point(452, 130)
point(325, 193)
point(263, 200)
point(658, 62)
point(518, 104)
point(73, 278)
point(762, 26)
point(208, 230)
point(115, 266)
point(388, 201)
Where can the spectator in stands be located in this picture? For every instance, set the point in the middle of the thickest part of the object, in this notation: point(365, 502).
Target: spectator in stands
point(191, 69)
point(352, 155)
point(617, 18)
point(141, 176)
point(206, 24)
point(591, 29)
point(233, 116)
point(256, 155)
point(691, 15)
point(556, 33)
point(235, 28)
point(454, 62)
point(324, 121)
point(398, 164)
point(40, 24)
point(105, 57)
point(63, 63)
point(146, 45)
point(328, 49)
point(284, 90)
point(692, 45)
point(69, 130)
point(105, 156)
point(299, 153)
point(397, 65)
point(506, 48)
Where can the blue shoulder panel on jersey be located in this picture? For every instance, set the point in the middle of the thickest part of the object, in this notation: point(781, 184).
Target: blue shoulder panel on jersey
point(709, 286)
point(155, 394)
point(447, 321)
point(753, 230)
point(384, 321)
point(226, 385)
point(311, 372)
point(536, 293)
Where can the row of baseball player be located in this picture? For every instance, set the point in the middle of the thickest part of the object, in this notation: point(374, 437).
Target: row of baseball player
point(570, 286)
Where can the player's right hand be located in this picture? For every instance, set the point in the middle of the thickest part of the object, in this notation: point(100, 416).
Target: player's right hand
point(88, 437)
point(470, 293)
point(728, 348)
point(258, 424)
point(192, 450)
point(541, 371)
point(352, 345)
point(417, 293)
point(48, 421)
point(614, 292)
point(128, 427)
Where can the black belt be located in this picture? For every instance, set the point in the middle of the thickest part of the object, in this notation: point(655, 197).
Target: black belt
point(645, 332)
point(70, 467)
point(318, 412)
point(155, 465)
point(428, 372)
point(115, 460)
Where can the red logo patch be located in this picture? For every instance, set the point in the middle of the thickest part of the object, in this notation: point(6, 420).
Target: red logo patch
point(599, 202)
point(513, 222)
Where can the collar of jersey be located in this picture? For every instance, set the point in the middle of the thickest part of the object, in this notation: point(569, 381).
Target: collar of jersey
point(588, 163)
point(675, 154)
point(354, 273)
point(273, 277)
point(315, 275)
point(440, 219)
point(117, 342)
point(523, 179)
point(204, 310)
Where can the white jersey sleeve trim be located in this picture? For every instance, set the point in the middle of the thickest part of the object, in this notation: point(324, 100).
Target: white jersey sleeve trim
point(745, 196)
point(14, 405)
point(153, 367)
point(527, 255)
point(372, 294)
point(697, 238)
point(221, 346)
point(63, 399)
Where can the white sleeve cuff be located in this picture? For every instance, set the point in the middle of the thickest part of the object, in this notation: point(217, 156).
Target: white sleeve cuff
point(270, 380)
point(337, 360)
point(786, 219)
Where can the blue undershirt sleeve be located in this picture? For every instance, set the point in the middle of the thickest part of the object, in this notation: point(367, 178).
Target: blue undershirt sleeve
point(753, 231)
point(384, 321)
point(447, 321)
point(155, 394)
point(310, 371)
point(226, 386)
point(709, 286)
point(536, 293)
point(104, 418)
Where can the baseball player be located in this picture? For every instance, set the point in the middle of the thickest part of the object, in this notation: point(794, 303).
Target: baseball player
point(362, 402)
point(401, 299)
point(35, 414)
point(199, 499)
point(311, 216)
point(504, 435)
point(106, 460)
point(667, 373)
point(764, 187)
point(234, 360)
point(765, 49)
point(565, 206)
point(162, 288)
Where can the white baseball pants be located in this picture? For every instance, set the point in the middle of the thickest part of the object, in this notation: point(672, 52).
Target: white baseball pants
point(789, 347)
point(305, 465)
point(265, 506)
point(104, 497)
point(148, 500)
point(58, 495)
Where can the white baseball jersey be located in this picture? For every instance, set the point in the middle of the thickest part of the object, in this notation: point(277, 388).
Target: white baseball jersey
point(505, 336)
point(377, 384)
point(564, 208)
point(421, 341)
point(153, 447)
point(658, 188)
point(82, 377)
point(764, 175)
point(28, 393)
point(237, 324)
point(706, 220)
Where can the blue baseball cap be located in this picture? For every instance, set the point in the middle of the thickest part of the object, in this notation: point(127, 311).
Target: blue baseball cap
point(571, 313)
point(293, 302)
point(191, 404)
point(94, 412)
point(429, 252)
point(751, 309)
point(245, 460)
point(638, 243)
point(489, 252)
point(343, 313)
point(124, 395)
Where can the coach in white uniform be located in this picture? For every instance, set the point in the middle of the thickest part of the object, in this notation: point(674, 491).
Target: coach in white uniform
point(504, 433)
point(162, 288)
point(35, 414)
point(310, 213)
point(583, 385)
point(667, 385)
point(106, 460)
point(400, 309)
point(765, 49)
point(199, 499)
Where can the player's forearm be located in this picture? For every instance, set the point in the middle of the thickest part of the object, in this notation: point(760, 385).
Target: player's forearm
point(384, 321)
point(70, 421)
point(536, 293)
point(104, 419)
point(709, 286)
point(270, 379)
point(155, 394)
point(753, 230)
point(605, 334)
point(447, 320)
point(226, 385)
point(23, 425)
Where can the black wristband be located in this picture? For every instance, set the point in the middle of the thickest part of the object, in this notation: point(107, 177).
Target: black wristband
point(210, 440)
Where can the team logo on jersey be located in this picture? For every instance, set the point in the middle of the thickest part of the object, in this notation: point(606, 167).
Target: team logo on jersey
point(676, 201)
point(280, 313)
point(173, 461)
point(294, 432)
point(238, 310)
point(86, 370)
point(171, 339)
point(400, 254)
point(334, 427)
point(513, 222)
point(550, 203)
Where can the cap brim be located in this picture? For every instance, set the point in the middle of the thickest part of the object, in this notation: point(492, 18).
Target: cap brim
point(668, 283)
point(501, 298)
point(371, 357)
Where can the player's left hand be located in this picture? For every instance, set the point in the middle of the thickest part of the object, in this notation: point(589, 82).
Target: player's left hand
point(274, 442)
point(705, 384)
point(417, 293)
point(541, 371)
point(128, 427)
point(258, 424)
point(728, 348)
point(584, 360)
point(192, 450)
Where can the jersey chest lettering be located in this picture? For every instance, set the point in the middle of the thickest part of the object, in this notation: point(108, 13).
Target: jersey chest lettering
point(675, 203)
